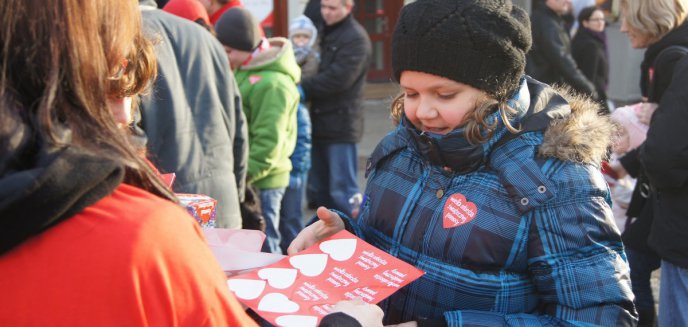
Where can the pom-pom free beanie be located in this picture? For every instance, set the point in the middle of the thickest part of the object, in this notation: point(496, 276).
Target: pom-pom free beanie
point(482, 43)
point(238, 29)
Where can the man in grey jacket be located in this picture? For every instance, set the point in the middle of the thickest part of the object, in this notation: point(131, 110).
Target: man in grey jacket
point(192, 117)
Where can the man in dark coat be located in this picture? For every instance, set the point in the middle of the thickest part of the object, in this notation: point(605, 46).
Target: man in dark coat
point(336, 96)
point(192, 117)
point(550, 59)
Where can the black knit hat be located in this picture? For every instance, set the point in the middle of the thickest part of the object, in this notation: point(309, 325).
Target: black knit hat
point(237, 28)
point(482, 43)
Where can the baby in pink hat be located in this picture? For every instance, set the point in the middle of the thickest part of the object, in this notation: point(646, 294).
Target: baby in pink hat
point(632, 133)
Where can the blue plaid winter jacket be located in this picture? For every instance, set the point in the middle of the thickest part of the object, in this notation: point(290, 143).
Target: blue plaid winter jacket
point(541, 248)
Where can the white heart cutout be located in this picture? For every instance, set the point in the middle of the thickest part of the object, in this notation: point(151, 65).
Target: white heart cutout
point(309, 264)
point(278, 277)
point(340, 250)
point(247, 289)
point(296, 321)
point(277, 302)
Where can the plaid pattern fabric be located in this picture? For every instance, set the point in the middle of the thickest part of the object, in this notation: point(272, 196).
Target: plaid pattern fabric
point(541, 249)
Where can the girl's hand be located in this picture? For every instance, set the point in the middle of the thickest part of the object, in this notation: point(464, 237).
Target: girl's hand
point(365, 313)
point(329, 224)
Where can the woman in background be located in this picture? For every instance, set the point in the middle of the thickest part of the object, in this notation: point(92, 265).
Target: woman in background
point(661, 162)
point(589, 49)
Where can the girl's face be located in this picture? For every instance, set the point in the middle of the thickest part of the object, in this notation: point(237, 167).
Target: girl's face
point(121, 111)
point(639, 40)
point(595, 22)
point(436, 104)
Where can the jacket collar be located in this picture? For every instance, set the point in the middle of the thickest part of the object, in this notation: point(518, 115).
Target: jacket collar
point(333, 30)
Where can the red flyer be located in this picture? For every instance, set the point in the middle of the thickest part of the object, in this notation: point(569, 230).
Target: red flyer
point(299, 290)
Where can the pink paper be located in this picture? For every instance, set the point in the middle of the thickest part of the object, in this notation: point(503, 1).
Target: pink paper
point(301, 289)
point(238, 250)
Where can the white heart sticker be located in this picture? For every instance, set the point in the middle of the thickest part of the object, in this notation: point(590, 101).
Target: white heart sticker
point(296, 321)
point(278, 277)
point(309, 264)
point(276, 302)
point(340, 250)
point(247, 289)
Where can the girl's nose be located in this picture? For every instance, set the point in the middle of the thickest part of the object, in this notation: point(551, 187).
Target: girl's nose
point(426, 110)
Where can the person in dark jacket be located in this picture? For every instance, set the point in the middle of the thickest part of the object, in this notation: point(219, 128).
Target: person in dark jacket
point(550, 60)
point(511, 226)
point(662, 161)
point(312, 11)
point(336, 97)
point(589, 49)
point(192, 117)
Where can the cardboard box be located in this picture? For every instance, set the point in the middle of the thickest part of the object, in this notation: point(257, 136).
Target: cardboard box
point(201, 207)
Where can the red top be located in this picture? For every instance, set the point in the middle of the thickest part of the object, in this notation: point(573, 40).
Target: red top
point(231, 4)
point(189, 9)
point(131, 259)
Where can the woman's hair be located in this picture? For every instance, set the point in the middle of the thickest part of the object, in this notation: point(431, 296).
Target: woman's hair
point(586, 13)
point(654, 17)
point(476, 127)
point(141, 69)
point(57, 62)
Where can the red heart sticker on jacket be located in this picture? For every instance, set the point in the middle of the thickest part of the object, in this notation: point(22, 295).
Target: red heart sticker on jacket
point(253, 79)
point(458, 211)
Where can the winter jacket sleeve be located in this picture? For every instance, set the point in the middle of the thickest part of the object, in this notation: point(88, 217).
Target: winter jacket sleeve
point(576, 260)
point(587, 57)
point(268, 118)
point(301, 158)
point(240, 141)
point(350, 59)
point(665, 152)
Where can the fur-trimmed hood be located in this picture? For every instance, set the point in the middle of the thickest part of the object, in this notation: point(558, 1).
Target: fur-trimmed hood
point(573, 128)
point(584, 136)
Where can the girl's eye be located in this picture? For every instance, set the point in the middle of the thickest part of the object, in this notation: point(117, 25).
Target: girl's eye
point(410, 94)
point(447, 96)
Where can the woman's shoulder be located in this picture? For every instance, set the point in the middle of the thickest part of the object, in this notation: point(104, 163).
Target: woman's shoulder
point(136, 213)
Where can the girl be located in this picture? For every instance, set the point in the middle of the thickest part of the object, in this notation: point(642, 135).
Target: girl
point(84, 218)
point(490, 183)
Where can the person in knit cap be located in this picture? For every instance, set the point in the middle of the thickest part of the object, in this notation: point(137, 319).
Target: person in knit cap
point(490, 183)
point(267, 73)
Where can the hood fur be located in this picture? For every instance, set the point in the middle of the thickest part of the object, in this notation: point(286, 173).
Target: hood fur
point(583, 137)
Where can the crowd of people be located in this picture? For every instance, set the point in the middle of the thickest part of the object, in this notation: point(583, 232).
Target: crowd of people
point(510, 178)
